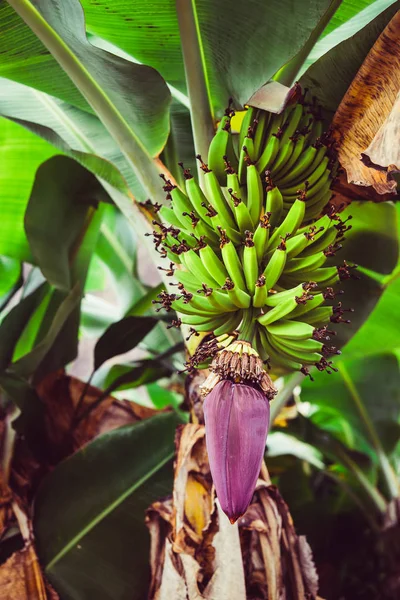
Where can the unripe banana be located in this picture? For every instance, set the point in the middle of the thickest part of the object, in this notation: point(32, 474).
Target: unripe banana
point(194, 265)
point(260, 294)
point(197, 198)
point(290, 223)
point(308, 306)
point(299, 354)
point(260, 131)
point(302, 165)
point(278, 312)
point(239, 298)
point(293, 330)
point(255, 193)
point(217, 199)
point(232, 262)
point(277, 359)
point(278, 297)
point(250, 263)
point(246, 123)
point(274, 205)
point(261, 236)
point(317, 317)
point(241, 212)
point(275, 266)
point(305, 264)
point(213, 264)
point(268, 155)
point(297, 150)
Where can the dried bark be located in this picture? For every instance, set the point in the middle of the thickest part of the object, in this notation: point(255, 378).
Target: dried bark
point(364, 109)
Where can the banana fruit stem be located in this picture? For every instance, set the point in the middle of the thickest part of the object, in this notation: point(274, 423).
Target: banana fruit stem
point(247, 327)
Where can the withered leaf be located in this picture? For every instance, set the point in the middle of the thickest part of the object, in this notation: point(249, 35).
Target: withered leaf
point(366, 105)
point(384, 150)
point(21, 577)
point(274, 96)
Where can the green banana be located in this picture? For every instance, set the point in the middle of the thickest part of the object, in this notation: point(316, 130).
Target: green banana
point(308, 306)
point(278, 312)
point(275, 267)
point(318, 316)
point(297, 150)
point(302, 165)
point(255, 193)
point(241, 212)
point(194, 265)
point(230, 324)
point(221, 149)
point(260, 131)
point(277, 358)
point(197, 198)
point(326, 239)
point(274, 204)
point(268, 155)
point(261, 236)
point(232, 262)
point(239, 298)
point(293, 330)
point(288, 191)
point(290, 223)
point(260, 294)
point(213, 264)
point(217, 200)
point(250, 263)
point(301, 355)
point(278, 297)
point(247, 122)
point(305, 263)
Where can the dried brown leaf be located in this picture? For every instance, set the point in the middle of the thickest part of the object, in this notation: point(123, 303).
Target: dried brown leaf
point(21, 577)
point(366, 105)
point(384, 150)
point(274, 96)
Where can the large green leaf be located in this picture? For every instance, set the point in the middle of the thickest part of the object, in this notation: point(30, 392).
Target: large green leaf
point(95, 502)
point(21, 153)
point(329, 77)
point(73, 131)
point(373, 244)
point(381, 331)
point(16, 321)
point(363, 392)
point(121, 337)
point(350, 18)
point(244, 44)
point(10, 278)
point(138, 92)
point(59, 204)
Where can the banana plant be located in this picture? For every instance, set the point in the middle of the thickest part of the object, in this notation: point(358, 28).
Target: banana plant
point(111, 105)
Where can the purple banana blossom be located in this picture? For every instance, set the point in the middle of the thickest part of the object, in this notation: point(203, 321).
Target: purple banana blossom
point(237, 420)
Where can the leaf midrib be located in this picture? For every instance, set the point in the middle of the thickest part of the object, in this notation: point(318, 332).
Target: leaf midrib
point(104, 513)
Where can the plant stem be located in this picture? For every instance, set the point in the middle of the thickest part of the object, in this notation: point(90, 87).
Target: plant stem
point(196, 77)
point(287, 74)
point(284, 395)
point(388, 474)
point(246, 328)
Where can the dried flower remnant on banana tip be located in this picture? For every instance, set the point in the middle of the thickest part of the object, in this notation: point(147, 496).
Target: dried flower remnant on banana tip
point(248, 249)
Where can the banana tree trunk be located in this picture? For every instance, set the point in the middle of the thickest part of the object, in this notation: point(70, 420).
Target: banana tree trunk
point(197, 554)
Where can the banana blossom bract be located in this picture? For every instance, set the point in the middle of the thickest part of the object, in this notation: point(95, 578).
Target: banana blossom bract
point(237, 420)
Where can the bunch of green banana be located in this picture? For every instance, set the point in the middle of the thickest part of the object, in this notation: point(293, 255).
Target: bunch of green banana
point(248, 251)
